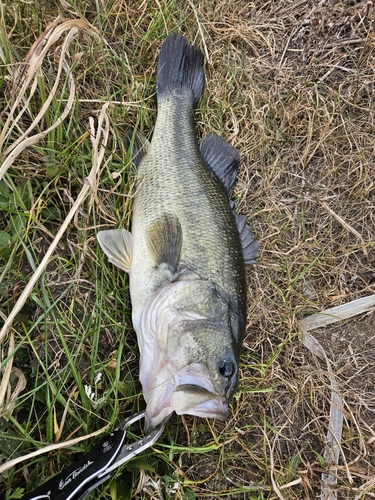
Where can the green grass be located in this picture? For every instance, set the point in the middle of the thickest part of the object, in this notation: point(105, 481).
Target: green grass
point(74, 331)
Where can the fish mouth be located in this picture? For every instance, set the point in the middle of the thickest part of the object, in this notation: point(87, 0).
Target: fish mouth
point(190, 392)
point(195, 400)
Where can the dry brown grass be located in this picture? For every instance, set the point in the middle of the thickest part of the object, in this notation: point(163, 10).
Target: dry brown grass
point(291, 85)
point(303, 117)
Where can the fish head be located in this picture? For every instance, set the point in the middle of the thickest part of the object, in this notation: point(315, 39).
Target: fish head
point(209, 354)
point(192, 363)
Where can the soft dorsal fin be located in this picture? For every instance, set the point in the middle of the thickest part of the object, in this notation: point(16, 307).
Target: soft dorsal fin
point(222, 159)
point(138, 144)
point(250, 247)
point(117, 244)
point(164, 240)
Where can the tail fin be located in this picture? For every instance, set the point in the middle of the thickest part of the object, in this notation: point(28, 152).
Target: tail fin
point(180, 68)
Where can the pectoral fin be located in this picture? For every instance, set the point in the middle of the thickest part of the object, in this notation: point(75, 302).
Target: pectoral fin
point(117, 244)
point(164, 240)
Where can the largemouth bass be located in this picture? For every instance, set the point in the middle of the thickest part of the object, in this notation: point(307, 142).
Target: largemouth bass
point(186, 252)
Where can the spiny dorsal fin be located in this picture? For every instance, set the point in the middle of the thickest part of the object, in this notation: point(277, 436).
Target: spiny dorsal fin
point(222, 159)
point(138, 145)
point(250, 247)
point(117, 244)
point(164, 240)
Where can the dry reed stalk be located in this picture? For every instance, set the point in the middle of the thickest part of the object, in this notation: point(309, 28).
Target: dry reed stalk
point(334, 434)
point(50, 447)
point(33, 63)
point(99, 141)
point(338, 313)
point(6, 372)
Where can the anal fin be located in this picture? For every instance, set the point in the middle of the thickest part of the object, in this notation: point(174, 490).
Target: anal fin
point(164, 240)
point(117, 244)
point(138, 144)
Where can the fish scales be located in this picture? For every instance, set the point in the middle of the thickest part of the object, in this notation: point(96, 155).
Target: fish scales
point(186, 252)
point(173, 178)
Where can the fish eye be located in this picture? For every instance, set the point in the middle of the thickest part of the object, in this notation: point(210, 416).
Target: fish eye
point(226, 368)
